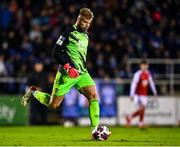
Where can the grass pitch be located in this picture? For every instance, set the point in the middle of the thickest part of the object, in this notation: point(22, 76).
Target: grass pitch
point(80, 136)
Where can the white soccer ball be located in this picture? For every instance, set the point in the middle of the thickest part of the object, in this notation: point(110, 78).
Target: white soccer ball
point(101, 133)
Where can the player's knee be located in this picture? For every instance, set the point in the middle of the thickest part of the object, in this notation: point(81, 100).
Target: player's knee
point(93, 95)
point(53, 105)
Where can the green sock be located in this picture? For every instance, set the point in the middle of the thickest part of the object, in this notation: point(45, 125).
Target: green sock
point(94, 112)
point(42, 97)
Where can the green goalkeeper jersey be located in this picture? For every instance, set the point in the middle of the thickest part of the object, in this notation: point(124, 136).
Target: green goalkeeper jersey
point(76, 48)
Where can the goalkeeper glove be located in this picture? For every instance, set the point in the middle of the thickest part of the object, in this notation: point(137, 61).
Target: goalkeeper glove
point(72, 72)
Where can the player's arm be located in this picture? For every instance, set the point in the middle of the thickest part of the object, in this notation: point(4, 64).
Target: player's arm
point(61, 56)
point(59, 51)
point(152, 85)
point(134, 84)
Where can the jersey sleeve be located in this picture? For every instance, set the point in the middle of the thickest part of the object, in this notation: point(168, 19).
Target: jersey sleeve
point(152, 85)
point(60, 49)
point(134, 84)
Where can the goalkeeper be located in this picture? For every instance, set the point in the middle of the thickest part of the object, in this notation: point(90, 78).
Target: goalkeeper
point(70, 52)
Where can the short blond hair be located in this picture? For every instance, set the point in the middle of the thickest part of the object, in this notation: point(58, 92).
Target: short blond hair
point(86, 13)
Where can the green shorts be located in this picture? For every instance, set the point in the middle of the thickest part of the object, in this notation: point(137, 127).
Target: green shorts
point(63, 83)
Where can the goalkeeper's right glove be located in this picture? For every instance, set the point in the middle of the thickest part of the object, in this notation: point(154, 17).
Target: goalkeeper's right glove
point(72, 72)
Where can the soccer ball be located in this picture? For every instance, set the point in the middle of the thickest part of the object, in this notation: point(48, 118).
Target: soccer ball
point(101, 133)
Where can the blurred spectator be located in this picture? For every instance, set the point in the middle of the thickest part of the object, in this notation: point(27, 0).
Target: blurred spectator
point(38, 78)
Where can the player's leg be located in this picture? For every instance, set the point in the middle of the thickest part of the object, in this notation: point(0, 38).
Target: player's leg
point(143, 106)
point(55, 101)
point(136, 113)
point(28, 95)
point(86, 86)
point(42, 97)
point(90, 93)
point(60, 88)
point(62, 85)
point(46, 99)
point(141, 116)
